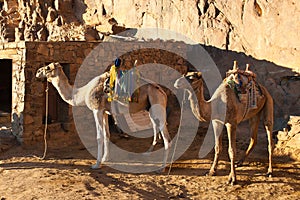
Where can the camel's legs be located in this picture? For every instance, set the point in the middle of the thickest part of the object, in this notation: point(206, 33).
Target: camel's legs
point(231, 131)
point(157, 116)
point(167, 144)
point(158, 119)
point(269, 129)
point(98, 115)
point(218, 127)
point(268, 122)
point(253, 122)
point(155, 133)
point(106, 136)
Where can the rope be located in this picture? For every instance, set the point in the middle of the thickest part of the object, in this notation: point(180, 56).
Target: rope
point(179, 129)
point(247, 104)
point(46, 123)
point(253, 99)
point(46, 126)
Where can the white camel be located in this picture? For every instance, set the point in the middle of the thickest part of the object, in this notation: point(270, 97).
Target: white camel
point(93, 96)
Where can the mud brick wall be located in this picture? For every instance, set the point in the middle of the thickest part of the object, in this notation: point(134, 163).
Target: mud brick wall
point(28, 93)
point(37, 55)
point(95, 58)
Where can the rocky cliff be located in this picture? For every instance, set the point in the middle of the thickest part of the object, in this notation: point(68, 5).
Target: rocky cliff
point(264, 29)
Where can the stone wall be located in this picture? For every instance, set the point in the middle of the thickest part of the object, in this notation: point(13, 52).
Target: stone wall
point(29, 97)
point(93, 58)
point(16, 52)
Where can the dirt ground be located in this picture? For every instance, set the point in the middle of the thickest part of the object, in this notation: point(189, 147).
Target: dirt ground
point(66, 174)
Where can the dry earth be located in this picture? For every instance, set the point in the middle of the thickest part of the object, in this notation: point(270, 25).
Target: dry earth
point(66, 174)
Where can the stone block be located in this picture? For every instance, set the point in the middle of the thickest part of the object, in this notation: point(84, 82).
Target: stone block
point(28, 119)
point(43, 50)
point(282, 136)
point(10, 45)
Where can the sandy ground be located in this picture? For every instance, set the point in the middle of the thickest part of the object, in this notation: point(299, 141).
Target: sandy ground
point(66, 174)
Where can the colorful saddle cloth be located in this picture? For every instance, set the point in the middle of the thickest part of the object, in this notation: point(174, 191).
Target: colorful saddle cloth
point(126, 86)
point(244, 85)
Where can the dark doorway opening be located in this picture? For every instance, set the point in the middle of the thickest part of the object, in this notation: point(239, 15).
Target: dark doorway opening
point(58, 110)
point(5, 85)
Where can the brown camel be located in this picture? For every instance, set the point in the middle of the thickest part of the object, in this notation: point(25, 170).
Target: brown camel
point(150, 95)
point(236, 112)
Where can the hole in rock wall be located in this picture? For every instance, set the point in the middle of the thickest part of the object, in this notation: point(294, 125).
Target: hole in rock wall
point(257, 9)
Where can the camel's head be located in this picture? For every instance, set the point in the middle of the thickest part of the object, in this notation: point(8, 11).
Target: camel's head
point(48, 71)
point(189, 79)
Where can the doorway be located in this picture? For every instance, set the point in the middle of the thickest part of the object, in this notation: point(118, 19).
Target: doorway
point(5, 86)
point(58, 110)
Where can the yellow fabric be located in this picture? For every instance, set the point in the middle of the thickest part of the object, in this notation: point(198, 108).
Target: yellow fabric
point(113, 94)
point(113, 76)
point(112, 79)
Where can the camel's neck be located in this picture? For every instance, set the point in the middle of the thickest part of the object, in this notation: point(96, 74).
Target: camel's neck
point(62, 85)
point(200, 107)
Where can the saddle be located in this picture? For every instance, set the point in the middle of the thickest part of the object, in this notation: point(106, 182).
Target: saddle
point(244, 84)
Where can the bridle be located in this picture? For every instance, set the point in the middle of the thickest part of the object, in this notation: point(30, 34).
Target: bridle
point(194, 84)
point(48, 69)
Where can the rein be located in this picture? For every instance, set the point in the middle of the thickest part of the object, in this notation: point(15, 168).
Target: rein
point(179, 129)
point(46, 125)
point(46, 122)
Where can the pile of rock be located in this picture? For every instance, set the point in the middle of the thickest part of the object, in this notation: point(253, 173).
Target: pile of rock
point(7, 140)
point(49, 20)
point(288, 143)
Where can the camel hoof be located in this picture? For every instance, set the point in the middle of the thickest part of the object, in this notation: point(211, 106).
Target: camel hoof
point(269, 174)
point(124, 135)
point(161, 171)
point(96, 166)
point(239, 164)
point(210, 173)
point(231, 181)
point(106, 159)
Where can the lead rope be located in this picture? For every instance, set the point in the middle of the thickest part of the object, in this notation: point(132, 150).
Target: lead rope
point(179, 129)
point(247, 104)
point(46, 123)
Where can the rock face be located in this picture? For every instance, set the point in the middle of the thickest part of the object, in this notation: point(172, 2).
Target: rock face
point(263, 29)
point(289, 139)
point(49, 20)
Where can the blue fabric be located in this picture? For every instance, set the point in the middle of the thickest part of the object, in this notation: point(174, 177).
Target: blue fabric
point(117, 62)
